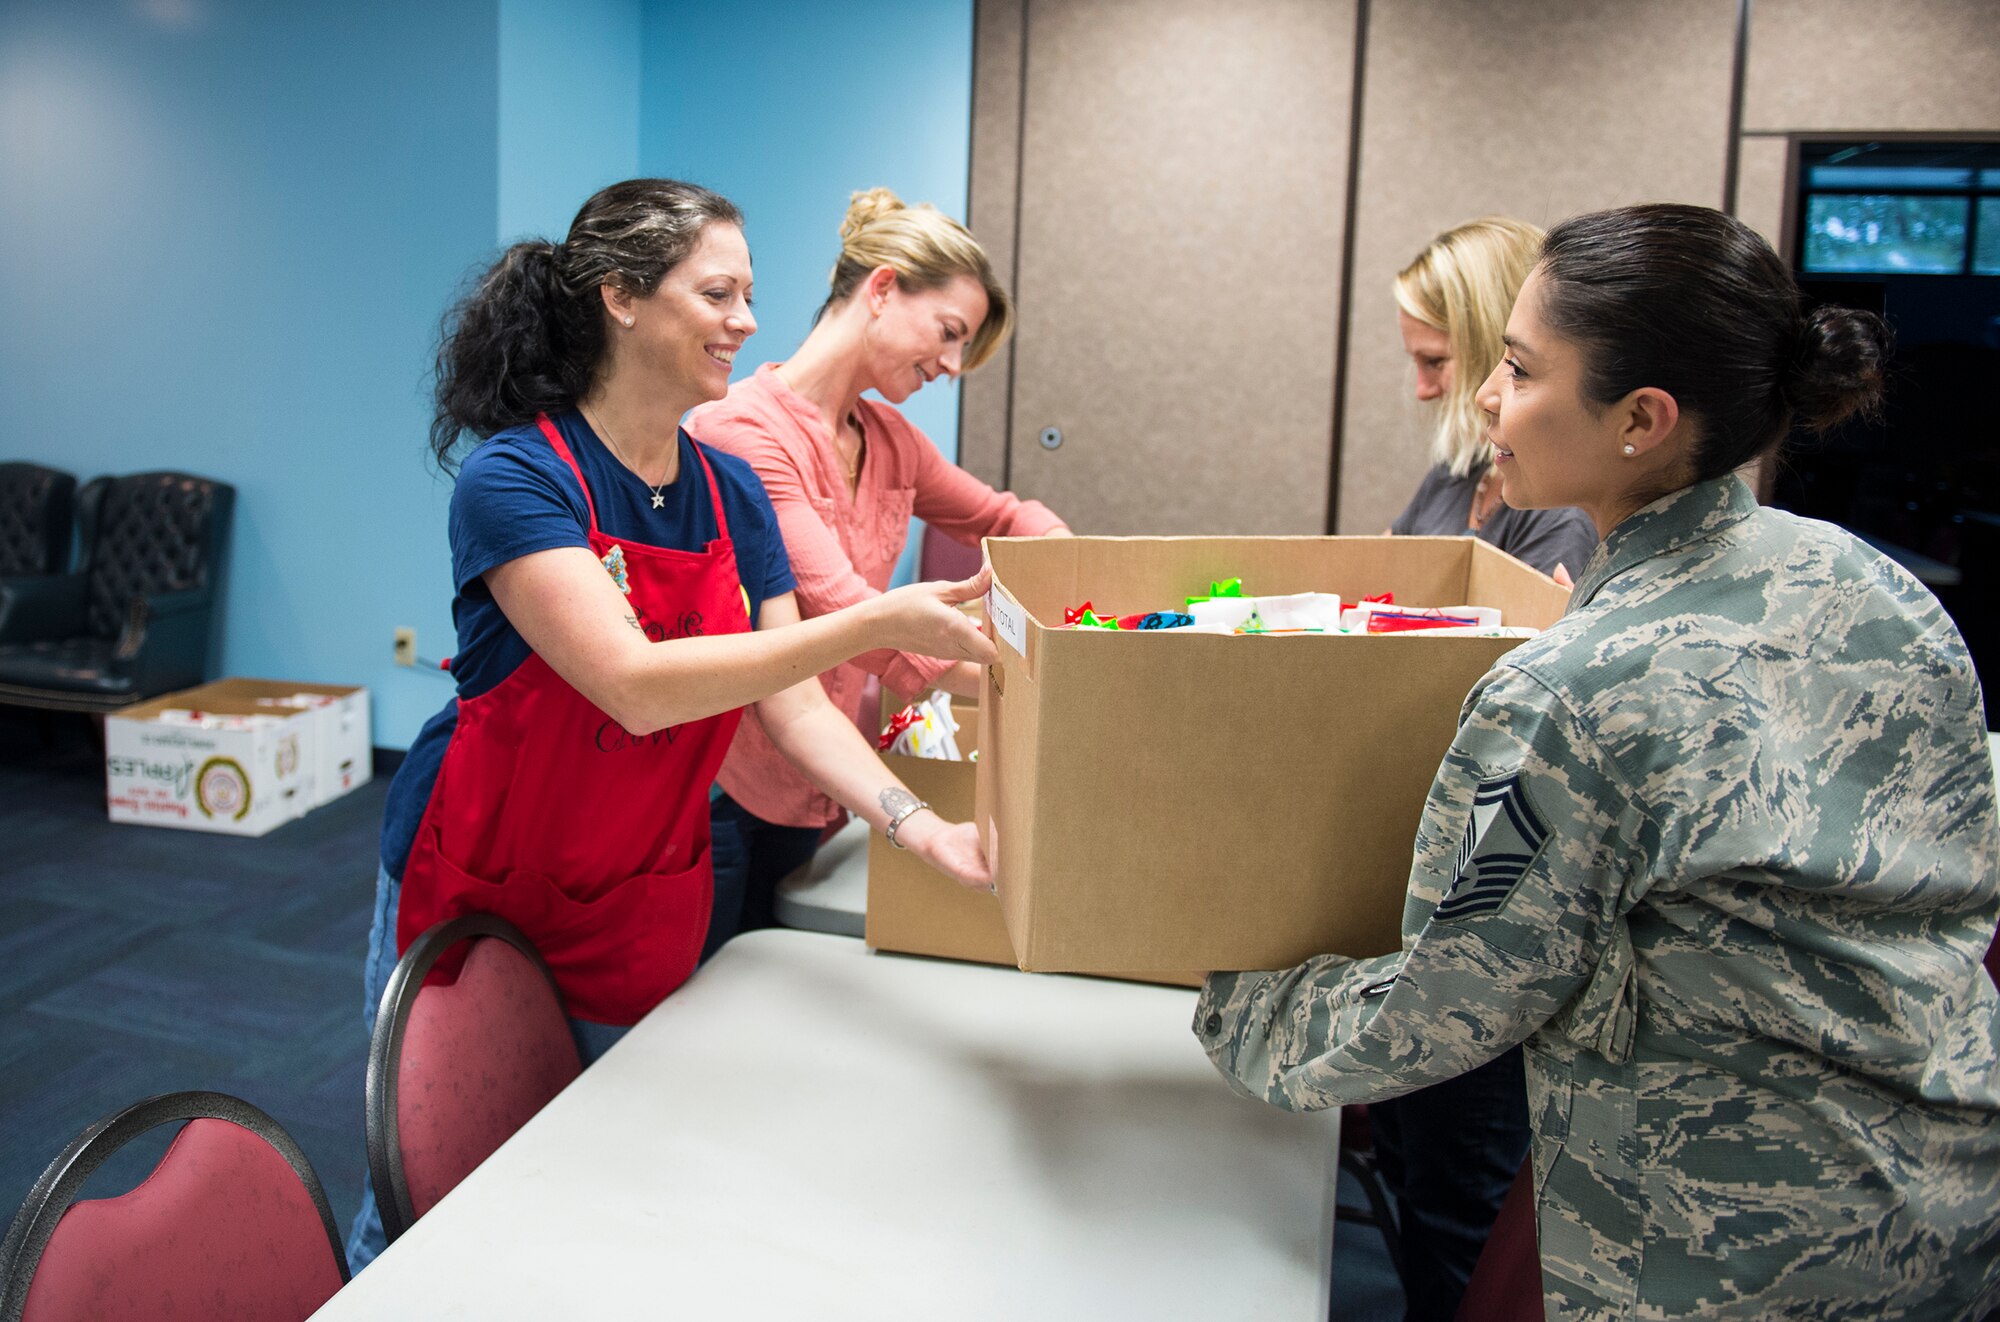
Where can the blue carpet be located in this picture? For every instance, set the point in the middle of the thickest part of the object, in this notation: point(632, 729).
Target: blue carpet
point(137, 960)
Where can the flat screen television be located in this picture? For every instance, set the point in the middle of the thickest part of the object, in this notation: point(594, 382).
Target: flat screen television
point(1986, 253)
point(1889, 234)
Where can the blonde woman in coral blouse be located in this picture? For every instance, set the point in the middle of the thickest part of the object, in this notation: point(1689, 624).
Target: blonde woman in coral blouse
point(913, 298)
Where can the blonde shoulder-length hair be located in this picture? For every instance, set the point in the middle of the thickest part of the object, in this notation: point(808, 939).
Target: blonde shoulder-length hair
point(926, 249)
point(1464, 284)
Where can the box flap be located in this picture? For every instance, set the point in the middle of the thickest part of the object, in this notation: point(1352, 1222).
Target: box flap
point(1127, 575)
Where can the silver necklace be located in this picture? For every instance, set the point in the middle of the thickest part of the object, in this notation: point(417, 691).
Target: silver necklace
point(597, 425)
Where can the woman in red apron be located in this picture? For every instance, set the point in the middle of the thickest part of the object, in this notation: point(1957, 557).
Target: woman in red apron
point(620, 597)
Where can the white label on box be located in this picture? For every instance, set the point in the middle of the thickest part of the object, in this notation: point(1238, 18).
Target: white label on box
point(1010, 622)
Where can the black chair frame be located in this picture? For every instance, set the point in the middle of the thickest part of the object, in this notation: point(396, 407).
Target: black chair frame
point(1379, 1212)
point(65, 1177)
point(385, 1053)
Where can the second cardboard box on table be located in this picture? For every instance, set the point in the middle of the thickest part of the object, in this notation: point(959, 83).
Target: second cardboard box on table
point(1200, 801)
point(913, 908)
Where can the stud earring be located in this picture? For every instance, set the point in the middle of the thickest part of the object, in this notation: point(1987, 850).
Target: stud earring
point(1630, 449)
point(629, 321)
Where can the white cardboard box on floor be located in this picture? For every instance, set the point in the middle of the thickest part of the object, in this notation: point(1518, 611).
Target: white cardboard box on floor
point(343, 753)
point(235, 756)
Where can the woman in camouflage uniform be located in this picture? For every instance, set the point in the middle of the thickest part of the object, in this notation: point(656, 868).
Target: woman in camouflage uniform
point(1719, 848)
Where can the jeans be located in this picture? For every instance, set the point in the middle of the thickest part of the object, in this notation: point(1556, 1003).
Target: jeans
point(1448, 1154)
point(366, 1239)
point(751, 856)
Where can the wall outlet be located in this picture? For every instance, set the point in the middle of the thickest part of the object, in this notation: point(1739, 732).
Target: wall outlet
point(406, 647)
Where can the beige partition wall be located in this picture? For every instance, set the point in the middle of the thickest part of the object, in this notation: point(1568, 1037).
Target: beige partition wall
point(1535, 110)
point(1843, 67)
point(1864, 66)
point(1181, 171)
point(1165, 186)
point(992, 191)
point(1763, 172)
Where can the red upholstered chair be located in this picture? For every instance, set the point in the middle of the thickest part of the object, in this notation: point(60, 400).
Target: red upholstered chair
point(1506, 1284)
point(231, 1223)
point(470, 1041)
point(942, 558)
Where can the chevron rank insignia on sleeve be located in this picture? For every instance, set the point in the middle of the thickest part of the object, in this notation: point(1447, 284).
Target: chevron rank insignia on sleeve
point(1502, 840)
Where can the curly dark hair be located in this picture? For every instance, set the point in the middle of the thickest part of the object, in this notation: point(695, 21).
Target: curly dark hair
point(528, 337)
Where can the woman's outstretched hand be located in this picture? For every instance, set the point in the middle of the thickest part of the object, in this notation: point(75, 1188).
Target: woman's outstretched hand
point(952, 848)
point(925, 618)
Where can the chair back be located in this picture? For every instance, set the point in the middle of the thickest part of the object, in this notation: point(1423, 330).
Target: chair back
point(231, 1223)
point(36, 509)
point(455, 1067)
point(1506, 1284)
point(941, 558)
point(147, 534)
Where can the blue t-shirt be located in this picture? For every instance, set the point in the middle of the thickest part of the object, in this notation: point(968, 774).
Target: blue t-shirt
point(516, 496)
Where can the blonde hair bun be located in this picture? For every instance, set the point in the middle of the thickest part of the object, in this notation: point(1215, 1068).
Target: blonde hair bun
point(927, 250)
point(865, 208)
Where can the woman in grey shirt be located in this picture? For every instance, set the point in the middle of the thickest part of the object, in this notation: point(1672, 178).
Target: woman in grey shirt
point(1451, 307)
point(1448, 1152)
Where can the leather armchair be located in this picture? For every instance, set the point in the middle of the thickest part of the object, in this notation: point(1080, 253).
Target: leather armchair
point(36, 506)
point(134, 620)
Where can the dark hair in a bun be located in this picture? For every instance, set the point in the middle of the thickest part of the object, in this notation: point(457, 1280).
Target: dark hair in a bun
point(1839, 368)
point(1693, 302)
point(528, 338)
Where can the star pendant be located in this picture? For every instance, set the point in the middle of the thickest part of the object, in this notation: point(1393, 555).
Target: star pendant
point(659, 501)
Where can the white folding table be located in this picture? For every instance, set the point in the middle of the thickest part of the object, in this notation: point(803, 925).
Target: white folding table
point(829, 893)
point(811, 1130)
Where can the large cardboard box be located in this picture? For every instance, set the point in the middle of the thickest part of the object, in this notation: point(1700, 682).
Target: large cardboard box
point(1200, 801)
point(237, 756)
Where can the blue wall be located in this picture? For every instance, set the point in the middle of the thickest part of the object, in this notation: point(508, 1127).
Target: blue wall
point(789, 115)
point(231, 227)
point(569, 108)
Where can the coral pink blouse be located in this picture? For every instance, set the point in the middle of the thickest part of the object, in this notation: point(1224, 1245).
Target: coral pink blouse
point(843, 548)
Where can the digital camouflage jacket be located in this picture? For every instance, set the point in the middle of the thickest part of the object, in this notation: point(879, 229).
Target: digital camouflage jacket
point(1720, 847)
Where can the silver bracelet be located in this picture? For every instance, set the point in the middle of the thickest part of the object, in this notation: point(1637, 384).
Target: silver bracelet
point(899, 804)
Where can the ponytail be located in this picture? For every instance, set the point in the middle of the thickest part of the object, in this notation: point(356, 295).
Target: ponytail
point(517, 346)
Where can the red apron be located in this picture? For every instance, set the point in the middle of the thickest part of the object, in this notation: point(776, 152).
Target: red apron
point(592, 841)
